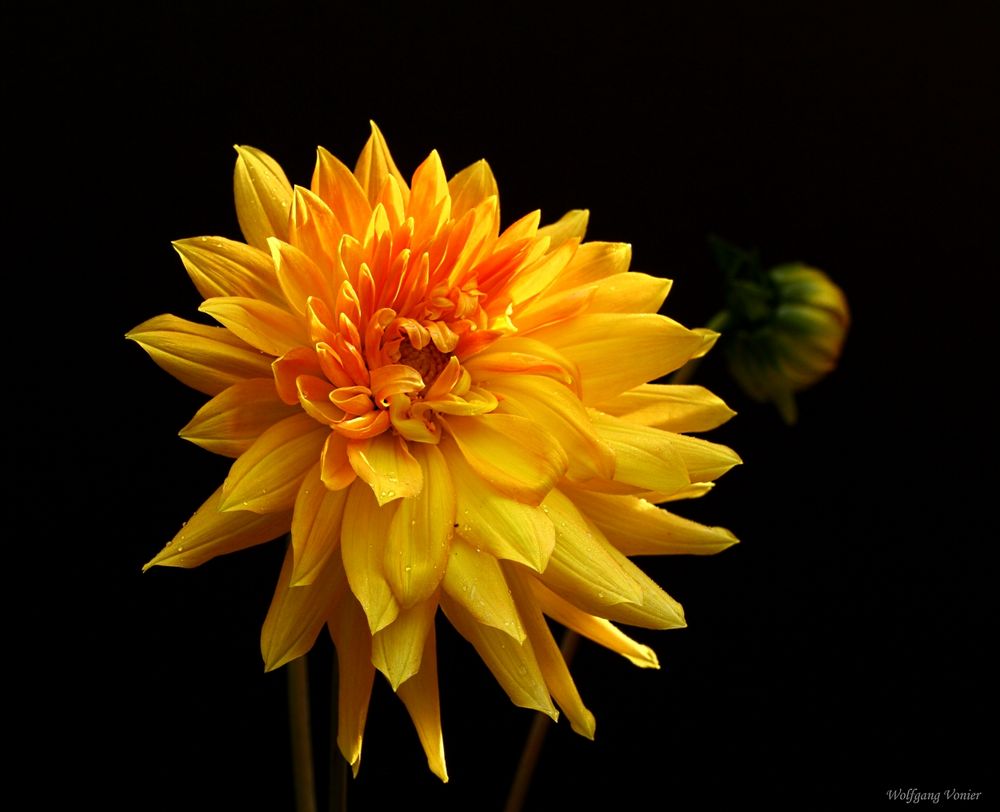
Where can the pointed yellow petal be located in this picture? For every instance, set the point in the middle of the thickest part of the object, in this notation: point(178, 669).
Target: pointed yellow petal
point(550, 658)
point(592, 262)
point(645, 458)
point(336, 470)
point(386, 464)
point(267, 327)
point(601, 631)
point(263, 197)
point(375, 164)
point(211, 532)
point(471, 187)
point(637, 527)
point(221, 267)
point(511, 453)
point(363, 536)
point(356, 674)
point(315, 527)
point(557, 409)
point(628, 293)
point(512, 664)
point(231, 421)
point(266, 477)
point(474, 580)
point(501, 526)
point(398, 648)
point(705, 461)
point(416, 553)
point(420, 695)
point(672, 407)
point(299, 276)
point(582, 567)
point(597, 342)
point(655, 609)
point(572, 225)
point(297, 613)
point(336, 185)
point(209, 359)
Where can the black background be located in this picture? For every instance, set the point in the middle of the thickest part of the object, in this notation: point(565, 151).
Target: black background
point(838, 652)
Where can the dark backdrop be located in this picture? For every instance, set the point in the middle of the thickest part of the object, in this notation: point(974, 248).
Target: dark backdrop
point(839, 652)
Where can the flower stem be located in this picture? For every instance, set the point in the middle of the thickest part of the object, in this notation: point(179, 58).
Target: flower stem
point(298, 716)
point(536, 738)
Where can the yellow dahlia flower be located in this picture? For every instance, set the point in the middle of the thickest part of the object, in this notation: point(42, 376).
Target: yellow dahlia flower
point(443, 414)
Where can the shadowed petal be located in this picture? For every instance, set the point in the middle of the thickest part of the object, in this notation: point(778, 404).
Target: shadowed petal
point(397, 650)
point(315, 526)
point(363, 536)
point(474, 580)
point(420, 695)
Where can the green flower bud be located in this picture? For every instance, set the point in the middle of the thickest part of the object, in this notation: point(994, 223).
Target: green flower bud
point(785, 329)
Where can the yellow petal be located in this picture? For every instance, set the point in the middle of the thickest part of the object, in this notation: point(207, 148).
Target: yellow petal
point(299, 276)
point(386, 464)
point(601, 631)
point(501, 526)
point(511, 453)
point(536, 277)
point(420, 695)
point(363, 536)
point(356, 674)
point(266, 477)
point(297, 613)
point(645, 458)
point(638, 527)
point(557, 409)
point(336, 469)
point(231, 421)
point(572, 225)
point(416, 554)
point(474, 580)
point(598, 342)
point(705, 461)
point(336, 185)
point(583, 567)
point(677, 408)
point(470, 187)
point(628, 293)
point(221, 267)
point(654, 610)
point(209, 359)
point(211, 532)
point(263, 197)
point(267, 327)
point(512, 664)
point(375, 164)
point(397, 649)
point(315, 526)
point(550, 658)
point(592, 262)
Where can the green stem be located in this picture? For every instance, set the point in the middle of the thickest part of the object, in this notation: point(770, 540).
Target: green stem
point(338, 764)
point(536, 738)
point(718, 323)
point(298, 716)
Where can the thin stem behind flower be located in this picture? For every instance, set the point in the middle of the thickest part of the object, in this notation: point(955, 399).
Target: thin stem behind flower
point(298, 716)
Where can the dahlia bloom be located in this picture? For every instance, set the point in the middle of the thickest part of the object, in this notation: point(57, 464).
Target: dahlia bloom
point(442, 414)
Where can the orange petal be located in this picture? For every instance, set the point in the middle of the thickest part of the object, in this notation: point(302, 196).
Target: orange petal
point(299, 276)
point(336, 185)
